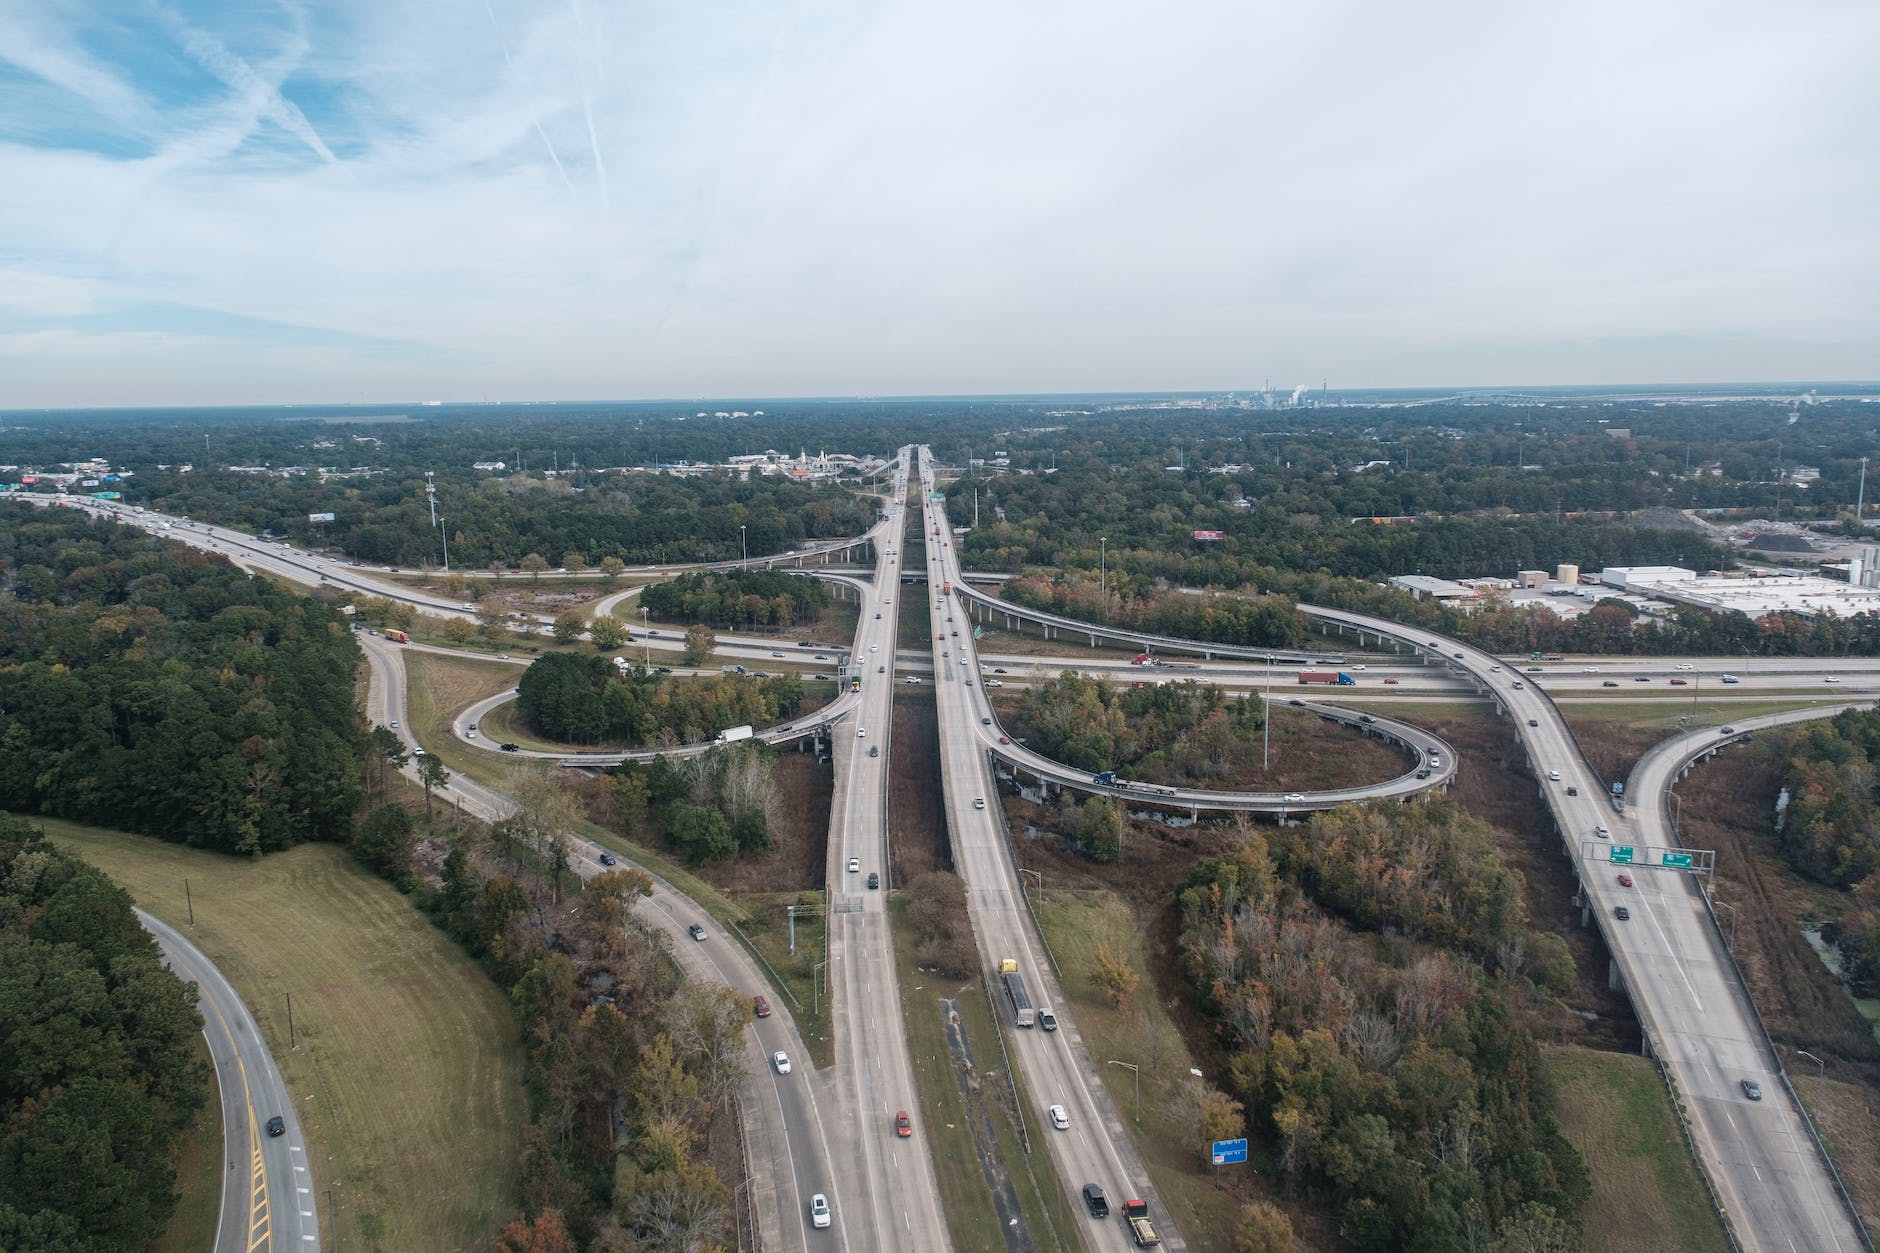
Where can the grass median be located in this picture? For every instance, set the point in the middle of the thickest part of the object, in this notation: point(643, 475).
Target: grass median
point(986, 1178)
point(406, 1067)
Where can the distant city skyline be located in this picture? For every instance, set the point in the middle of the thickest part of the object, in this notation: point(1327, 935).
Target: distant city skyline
point(212, 204)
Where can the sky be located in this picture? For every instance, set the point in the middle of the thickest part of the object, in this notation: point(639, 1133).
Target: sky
point(249, 201)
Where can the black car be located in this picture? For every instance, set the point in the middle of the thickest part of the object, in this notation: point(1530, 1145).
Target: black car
point(277, 1126)
point(695, 931)
point(607, 859)
point(512, 748)
point(1095, 1201)
point(1621, 913)
point(874, 881)
point(1752, 1089)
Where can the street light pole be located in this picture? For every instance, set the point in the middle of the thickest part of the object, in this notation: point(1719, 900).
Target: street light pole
point(1266, 716)
point(1727, 905)
point(743, 552)
point(1034, 874)
point(1823, 1071)
point(1131, 1068)
point(646, 646)
point(1103, 574)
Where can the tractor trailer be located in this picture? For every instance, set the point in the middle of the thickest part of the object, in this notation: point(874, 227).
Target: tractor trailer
point(1333, 678)
point(731, 735)
point(1022, 1013)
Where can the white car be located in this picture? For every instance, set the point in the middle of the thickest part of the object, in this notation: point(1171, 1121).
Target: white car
point(1553, 776)
point(1829, 678)
point(1685, 665)
point(855, 865)
point(1295, 797)
point(781, 1060)
point(1060, 1119)
point(861, 733)
point(819, 1211)
point(1354, 667)
point(994, 683)
point(874, 648)
point(979, 802)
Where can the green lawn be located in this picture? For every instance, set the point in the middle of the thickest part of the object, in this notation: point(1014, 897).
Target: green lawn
point(407, 1071)
point(1646, 1190)
point(1076, 924)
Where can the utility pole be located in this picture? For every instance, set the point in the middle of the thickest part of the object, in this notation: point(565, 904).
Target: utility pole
point(1860, 501)
point(444, 534)
point(1266, 717)
point(1103, 574)
point(430, 494)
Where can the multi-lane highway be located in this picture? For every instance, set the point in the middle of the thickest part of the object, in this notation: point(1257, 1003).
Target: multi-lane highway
point(1058, 1069)
point(1776, 1192)
point(268, 1201)
point(889, 1197)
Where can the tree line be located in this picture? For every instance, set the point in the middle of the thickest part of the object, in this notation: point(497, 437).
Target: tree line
point(1829, 830)
point(99, 1076)
point(578, 698)
point(1184, 733)
point(1365, 973)
point(150, 687)
point(709, 806)
point(730, 598)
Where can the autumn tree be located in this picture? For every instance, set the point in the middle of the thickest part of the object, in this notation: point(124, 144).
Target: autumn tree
point(699, 644)
point(606, 633)
point(459, 631)
point(1263, 1227)
point(1111, 971)
point(569, 624)
point(532, 565)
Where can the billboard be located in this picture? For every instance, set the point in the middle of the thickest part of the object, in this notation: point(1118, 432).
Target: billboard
point(1209, 537)
point(319, 517)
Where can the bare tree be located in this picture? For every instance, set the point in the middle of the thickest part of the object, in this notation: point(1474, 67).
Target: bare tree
point(706, 1022)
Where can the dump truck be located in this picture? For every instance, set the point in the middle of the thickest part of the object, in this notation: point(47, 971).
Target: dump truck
point(731, 735)
point(1022, 1013)
point(1335, 678)
point(1141, 1230)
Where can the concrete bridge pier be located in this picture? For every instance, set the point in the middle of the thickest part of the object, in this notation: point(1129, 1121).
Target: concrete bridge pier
point(1093, 641)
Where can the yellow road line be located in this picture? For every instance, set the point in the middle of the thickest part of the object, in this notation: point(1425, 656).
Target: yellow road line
point(260, 1220)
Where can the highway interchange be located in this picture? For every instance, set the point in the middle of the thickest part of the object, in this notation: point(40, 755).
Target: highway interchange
point(828, 1131)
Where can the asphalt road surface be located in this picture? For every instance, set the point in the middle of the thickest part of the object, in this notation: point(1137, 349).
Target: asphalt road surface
point(889, 1196)
point(268, 1202)
point(1058, 1067)
point(1774, 1188)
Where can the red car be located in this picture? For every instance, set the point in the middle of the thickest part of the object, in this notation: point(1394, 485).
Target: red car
point(903, 1125)
point(760, 1007)
point(1390, 682)
point(1680, 683)
point(1005, 739)
point(1625, 880)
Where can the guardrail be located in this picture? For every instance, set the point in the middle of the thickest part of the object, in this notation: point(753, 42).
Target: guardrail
point(1769, 1043)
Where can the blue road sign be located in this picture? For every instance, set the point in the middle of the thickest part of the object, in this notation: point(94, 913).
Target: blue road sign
point(1228, 1152)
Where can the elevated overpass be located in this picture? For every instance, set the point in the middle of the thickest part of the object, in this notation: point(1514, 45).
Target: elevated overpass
point(1774, 1190)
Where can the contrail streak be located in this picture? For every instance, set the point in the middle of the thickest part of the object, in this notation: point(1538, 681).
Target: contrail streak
point(553, 156)
point(587, 109)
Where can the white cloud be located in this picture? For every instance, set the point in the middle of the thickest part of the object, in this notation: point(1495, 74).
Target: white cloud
point(602, 199)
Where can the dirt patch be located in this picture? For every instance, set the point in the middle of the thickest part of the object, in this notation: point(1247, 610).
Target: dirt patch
point(1612, 747)
point(917, 823)
point(1728, 804)
point(799, 833)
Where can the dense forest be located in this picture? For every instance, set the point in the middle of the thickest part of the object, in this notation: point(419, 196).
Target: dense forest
point(1830, 830)
point(98, 1069)
point(630, 1069)
point(584, 699)
point(734, 598)
point(151, 687)
point(1364, 971)
point(1184, 733)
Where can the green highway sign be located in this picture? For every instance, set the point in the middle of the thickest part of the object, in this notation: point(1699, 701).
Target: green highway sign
point(1622, 853)
point(1681, 860)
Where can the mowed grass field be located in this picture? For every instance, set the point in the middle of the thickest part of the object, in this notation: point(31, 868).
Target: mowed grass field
point(407, 1069)
point(1646, 1191)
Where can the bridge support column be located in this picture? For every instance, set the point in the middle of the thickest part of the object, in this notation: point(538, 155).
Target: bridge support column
point(1093, 641)
point(1614, 980)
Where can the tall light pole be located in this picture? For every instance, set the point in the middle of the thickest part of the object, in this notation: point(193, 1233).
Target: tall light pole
point(1131, 1068)
point(1860, 501)
point(646, 645)
point(1823, 1073)
point(1103, 574)
point(444, 534)
point(744, 552)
